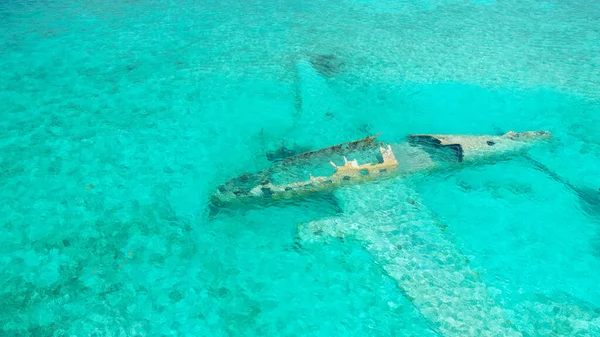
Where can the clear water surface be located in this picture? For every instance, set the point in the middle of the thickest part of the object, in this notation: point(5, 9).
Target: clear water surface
point(119, 119)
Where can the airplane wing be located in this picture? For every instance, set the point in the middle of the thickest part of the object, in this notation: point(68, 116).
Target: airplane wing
point(411, 246)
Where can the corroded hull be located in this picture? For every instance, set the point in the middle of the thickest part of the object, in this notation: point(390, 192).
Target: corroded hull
point(327, 169)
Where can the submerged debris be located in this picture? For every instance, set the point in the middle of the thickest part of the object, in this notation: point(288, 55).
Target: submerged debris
point(307, 173)
point(327, 65)
point(283, 152)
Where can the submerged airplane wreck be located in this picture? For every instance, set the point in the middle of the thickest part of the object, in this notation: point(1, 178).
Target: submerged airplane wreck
point(327, 169)
point(405, 238)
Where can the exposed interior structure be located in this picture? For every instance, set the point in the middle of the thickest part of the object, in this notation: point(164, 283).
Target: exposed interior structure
point(318, 171)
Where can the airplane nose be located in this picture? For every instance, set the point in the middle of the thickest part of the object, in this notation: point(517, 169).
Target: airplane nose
point(530, 134)
point(545, 134)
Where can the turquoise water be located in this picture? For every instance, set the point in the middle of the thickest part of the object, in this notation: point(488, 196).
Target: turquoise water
point(120, 118)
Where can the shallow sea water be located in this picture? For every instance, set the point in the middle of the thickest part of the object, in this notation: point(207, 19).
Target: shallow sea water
point(119, 119)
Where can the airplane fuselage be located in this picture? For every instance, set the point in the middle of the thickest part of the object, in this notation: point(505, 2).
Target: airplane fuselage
point(327, 169)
